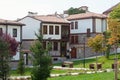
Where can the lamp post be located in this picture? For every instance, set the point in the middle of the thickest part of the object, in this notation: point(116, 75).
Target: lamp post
point(115, 62)
point(116, 46)
point(84, 52)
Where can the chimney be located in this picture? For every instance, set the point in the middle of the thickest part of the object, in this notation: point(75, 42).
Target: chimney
point(83, 8)
point(32, 13)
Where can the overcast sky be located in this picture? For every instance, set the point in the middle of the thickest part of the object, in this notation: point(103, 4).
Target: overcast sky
point(13, 9)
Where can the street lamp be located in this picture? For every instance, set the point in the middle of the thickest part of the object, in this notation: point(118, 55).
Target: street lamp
point(115, 63)
point(116, 46)
point(116, 59)
point(84, 52)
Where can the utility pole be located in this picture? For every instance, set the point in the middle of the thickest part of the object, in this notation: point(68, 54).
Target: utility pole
point(116, 64)
point(116, 59)
point(84, 52)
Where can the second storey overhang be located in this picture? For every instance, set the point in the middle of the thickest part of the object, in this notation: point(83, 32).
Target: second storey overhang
point(13, 28)
point(55, 31)
point(84, 22)
point(34, 24)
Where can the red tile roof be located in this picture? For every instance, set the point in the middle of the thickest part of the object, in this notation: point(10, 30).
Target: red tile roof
point(110, 9)
point(51, 18)
point(10, 22)
point(85, 16)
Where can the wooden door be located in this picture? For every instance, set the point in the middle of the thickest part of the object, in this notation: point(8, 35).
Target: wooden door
point(73, 52)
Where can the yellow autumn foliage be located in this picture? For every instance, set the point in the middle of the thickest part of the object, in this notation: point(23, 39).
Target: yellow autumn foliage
point(97, 43)
point(114, 27)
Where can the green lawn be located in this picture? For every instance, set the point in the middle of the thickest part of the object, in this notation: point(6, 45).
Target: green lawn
point(106, 63)
point(96, 76)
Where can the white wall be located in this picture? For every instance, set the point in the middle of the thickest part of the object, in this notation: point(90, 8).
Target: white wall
point(31, 27)
point(10, 31)
point(17, 56)
point(98, 25)
point(104, 25)
point(3, 28)
point(83, 24)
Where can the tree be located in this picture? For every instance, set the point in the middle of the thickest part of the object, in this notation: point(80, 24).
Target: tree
point(21, 66)
point(41, 60)
point(107, 36)
point(114, 27)
point(75, 11)
point(4, 60)
point(115, 14)
point(13, 44)
point(96, 44)
point(8, 47)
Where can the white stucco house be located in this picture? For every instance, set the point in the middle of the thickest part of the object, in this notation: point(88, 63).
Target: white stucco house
point(82, 27)
point(14, 29)
point(65, 34)
point(54, 29)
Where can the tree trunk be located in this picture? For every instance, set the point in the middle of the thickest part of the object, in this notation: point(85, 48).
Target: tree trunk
point(108, 52)
point(96, 63)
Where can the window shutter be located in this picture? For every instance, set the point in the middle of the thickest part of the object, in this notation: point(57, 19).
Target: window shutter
point(72, 25)
point(88, 32)
point(76, 25)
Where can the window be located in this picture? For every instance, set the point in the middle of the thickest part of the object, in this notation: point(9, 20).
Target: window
point(76, 25)
point(55, 45)
point(50, 29)
point(56, 29)
point(88, 32)
point(44, 29)
point(74, 39)
point(72, 25)
point(1, 30)
point(44, 45)
point(14, 32)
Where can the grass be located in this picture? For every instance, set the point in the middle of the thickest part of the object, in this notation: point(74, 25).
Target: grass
point(106, 63)
point(96, 76)
point(14, 72)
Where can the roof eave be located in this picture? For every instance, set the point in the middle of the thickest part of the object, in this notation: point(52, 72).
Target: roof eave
point(87, 18)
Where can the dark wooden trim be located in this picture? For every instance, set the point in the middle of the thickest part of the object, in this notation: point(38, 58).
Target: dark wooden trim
point(102, 25)
point(15, 24)
point(84, 33)
point(44, 40)
point(20, 33)
point(94, 25)
point(6, 29)
point(28, 39)
point(41, 28)
point(61, 23)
